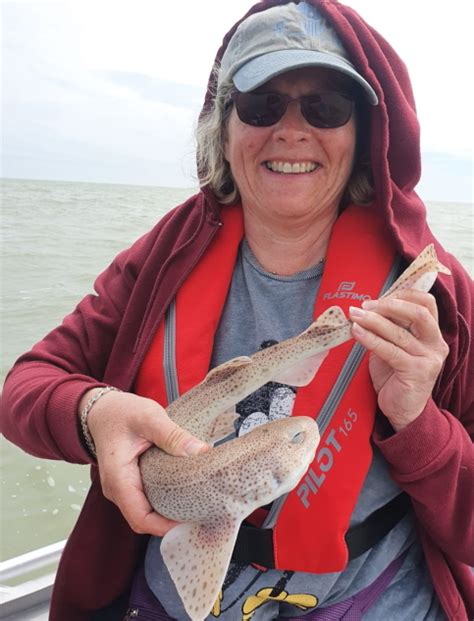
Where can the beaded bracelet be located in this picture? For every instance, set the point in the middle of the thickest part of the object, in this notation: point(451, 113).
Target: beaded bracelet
point(85, 413)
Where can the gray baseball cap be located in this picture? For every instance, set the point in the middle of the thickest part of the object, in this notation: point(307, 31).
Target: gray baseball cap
point(282, 38)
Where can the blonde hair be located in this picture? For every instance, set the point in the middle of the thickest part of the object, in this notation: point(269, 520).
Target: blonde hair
point(211, 134)
point(214, 171)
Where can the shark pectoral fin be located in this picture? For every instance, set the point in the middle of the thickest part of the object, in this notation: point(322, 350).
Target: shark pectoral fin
point(302, 373)
point(197, 557)
point(222, 426)
point(225, 369)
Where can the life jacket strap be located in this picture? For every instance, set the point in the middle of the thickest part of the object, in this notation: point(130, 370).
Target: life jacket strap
point(255, 545)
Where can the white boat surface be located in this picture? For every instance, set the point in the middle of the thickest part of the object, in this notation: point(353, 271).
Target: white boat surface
point(27, 598)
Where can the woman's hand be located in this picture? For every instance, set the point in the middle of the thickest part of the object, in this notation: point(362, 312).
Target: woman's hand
point(407, 351)
point(123, 426)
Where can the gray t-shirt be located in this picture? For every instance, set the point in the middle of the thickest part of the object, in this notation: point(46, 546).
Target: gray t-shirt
point(261, 309)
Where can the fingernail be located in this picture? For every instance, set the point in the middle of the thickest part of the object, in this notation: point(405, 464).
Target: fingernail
point(194, 447)
point(369, 304)
point(359, 330)
point(355, 311)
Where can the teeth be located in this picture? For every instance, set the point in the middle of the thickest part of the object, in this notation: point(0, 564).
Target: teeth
point(287, 167)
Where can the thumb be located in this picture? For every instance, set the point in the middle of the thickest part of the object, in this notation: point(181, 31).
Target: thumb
point(177, 441)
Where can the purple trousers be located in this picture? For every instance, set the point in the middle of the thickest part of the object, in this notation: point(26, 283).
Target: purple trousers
point(145, 607)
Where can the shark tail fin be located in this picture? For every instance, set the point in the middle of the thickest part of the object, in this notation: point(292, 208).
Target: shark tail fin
point(197, 557)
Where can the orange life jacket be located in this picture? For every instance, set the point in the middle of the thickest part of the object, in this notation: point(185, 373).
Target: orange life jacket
point(308, 526)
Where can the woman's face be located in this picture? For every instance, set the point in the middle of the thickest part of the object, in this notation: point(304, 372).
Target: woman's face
point(250, 152)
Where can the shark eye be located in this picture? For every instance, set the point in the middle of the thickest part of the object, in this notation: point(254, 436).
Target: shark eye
point(298, 437)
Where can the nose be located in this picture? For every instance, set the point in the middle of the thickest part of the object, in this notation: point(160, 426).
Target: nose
point(292, 127)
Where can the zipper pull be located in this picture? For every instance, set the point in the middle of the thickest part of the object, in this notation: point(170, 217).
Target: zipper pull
point(132, 613)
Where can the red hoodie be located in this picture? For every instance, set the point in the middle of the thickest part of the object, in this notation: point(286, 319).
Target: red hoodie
point(106, 337)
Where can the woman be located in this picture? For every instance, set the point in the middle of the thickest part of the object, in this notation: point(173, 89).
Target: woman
point(308, 154)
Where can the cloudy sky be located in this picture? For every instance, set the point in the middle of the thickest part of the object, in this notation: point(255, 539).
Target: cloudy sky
point(109, 90)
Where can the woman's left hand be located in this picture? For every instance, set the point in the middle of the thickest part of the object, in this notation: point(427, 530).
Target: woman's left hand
point(407, 351)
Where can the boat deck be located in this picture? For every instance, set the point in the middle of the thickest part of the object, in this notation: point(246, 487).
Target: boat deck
point(26, 583)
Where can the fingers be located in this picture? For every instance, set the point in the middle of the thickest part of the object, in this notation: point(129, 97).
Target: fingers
point(421, 298)
point(395, 326)
point(408, 321)
point(403, 331)
point(133, 423)
point(129, 497)
point(407, 351)
point(392, 352)
point(123, 426)
point(177, 441)
point(155, 426)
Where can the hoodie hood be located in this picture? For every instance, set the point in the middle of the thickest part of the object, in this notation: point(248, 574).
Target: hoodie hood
point(394, 146)
point(394, 128)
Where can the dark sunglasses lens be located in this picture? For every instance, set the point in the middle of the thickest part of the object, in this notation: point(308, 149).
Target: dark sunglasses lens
point(326, 110)
point(323, 110)
point(260, 109)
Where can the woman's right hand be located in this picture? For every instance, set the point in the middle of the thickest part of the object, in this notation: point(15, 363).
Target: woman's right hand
point(123, 425)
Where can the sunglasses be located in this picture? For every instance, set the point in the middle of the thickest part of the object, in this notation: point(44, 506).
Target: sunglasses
point(324, 110)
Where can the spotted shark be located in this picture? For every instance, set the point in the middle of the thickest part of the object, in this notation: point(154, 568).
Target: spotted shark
point(210, 494)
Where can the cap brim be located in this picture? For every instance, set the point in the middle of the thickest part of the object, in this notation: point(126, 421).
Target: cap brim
point(263, 68)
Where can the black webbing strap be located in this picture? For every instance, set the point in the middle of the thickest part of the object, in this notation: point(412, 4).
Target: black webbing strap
point(365, 535)
point(255, 545)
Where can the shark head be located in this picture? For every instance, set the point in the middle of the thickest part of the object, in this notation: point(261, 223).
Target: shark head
point(254, 470)
point(277, 455)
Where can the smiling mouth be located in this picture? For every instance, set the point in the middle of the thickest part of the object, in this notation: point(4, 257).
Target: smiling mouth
point(292, 168)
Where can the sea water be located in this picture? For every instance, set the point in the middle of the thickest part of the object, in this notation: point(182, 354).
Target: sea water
point(57, 237)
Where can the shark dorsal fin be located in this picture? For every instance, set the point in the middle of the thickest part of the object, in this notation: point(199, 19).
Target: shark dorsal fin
point(226, 369)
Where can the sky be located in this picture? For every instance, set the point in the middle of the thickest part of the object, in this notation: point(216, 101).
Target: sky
point(109, 91)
